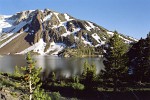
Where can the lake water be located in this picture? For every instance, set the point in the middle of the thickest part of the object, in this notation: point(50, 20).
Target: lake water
point(63, 66)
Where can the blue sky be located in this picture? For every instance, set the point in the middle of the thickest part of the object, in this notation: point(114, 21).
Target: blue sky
point(130, 17)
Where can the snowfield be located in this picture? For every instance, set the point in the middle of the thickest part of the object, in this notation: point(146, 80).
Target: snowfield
point(40, 46)
point(96, 37)
point(4, 23)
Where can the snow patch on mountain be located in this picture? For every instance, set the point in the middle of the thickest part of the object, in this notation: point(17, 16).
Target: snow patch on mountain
point(88, 28)
point(91, 24)
point(110, 33)
point(7, 24)
point(87, 42)
point(37, 47)
point(56, 48)
point(67, 17)
point(96, 37)
point(48, 17)
point(69, 33)
point(56, 14)
point(40, 47)
point(133, 38)
point(4, 23)
point(126, 40)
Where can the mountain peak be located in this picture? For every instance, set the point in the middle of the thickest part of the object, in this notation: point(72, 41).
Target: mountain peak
point(49, 32)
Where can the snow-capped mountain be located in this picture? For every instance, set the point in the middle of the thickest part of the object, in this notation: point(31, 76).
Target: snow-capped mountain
point(49, 32)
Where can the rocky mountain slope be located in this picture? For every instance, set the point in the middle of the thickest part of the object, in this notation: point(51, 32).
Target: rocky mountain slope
point(49, 32)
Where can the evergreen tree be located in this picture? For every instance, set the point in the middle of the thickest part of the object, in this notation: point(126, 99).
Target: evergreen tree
point(115, 61)
point(136, 59)
point(17, 72)
point(147, 59)
point(85, 67)
point(89, 75)
point(32, 80)
point(139, 60)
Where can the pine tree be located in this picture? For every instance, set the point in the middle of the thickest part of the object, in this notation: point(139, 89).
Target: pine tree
point(31, 76)
point(85, 67)
point(139, 60)
point(147, 59)
point(115, 61)
point(89, 75)
point(17, 72)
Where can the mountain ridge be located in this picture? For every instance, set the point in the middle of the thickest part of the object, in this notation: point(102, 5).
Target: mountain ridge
point(49, 32)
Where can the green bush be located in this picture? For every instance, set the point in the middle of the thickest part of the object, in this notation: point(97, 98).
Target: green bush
point(55, 95)
point(16, 71)
point(41, 95)
point(77, 86)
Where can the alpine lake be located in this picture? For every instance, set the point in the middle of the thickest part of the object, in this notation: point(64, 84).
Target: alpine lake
point(63, 67)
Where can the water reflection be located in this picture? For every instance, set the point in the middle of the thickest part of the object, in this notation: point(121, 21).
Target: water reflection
point(64, 67)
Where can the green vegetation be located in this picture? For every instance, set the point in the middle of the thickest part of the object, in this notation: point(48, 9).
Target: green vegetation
point(81, 51)
point(139, 58)
point(116, 79)
point(31, 77)
point(115, 63)
point(126, 70)
point(25, 81)
point(89, 75)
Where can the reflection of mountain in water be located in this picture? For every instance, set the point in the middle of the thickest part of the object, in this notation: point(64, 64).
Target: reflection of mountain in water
point(64, 67)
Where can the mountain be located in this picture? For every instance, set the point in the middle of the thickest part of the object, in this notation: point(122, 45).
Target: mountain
point(49, 32)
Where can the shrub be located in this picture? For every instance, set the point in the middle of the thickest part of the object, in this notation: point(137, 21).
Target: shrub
point(77, 86)
point(55, 95)
point(41, 95)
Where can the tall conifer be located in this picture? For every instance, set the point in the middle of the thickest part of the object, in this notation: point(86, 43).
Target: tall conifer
point(115, 61)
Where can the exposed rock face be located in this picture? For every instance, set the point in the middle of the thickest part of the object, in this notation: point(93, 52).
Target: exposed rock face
point(62, 17)
point(46, 31)
point(54, 20)
point(21, 16)
point(36, 24)
point(61, 29)
point(16, 45)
